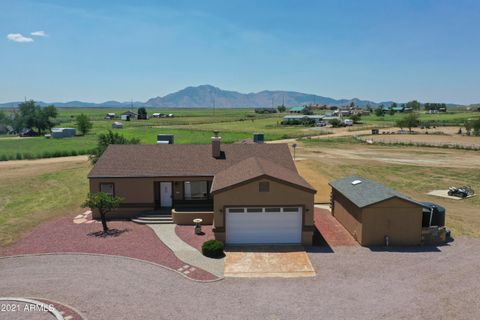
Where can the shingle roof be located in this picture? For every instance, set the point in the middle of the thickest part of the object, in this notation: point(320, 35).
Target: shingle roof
point(169, 160)
point(367, 192)
point(255, 167)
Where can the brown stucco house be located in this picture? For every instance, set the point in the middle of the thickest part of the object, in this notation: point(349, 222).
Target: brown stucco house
point(250, 193)
point(375, 214)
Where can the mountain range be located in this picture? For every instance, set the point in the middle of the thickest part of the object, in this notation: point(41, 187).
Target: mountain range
point(210, 96)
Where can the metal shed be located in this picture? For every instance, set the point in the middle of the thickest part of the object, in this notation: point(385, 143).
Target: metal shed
point(375, 214)
point(59, 133)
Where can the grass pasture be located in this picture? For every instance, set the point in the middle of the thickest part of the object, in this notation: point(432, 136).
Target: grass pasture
point(35, 191)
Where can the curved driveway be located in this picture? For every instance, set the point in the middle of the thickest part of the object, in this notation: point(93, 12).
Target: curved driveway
point(353, 283)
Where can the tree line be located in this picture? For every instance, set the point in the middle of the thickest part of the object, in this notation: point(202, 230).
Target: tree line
point(31, 116)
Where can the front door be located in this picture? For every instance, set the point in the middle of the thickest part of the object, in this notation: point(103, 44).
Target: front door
point(166, 194)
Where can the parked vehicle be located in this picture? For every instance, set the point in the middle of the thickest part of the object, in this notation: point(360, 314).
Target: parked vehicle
point(348, 122)
point(320, 124)
point(461, 192)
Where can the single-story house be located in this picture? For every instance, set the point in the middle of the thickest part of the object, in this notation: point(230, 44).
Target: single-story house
point(28, 133)
point(110, 116)
point(295, 119)
point(297, 109)
point(250, 193)
point(128, 115)
point(59, 133)
point(375, 214)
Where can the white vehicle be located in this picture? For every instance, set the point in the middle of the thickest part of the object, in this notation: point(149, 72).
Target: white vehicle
point(348, 122)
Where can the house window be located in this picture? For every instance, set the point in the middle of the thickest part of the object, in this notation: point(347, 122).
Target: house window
point(196, 190)
point(107, 188)
point(264, 186)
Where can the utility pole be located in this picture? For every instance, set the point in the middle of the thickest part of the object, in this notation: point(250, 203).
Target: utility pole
point(214, 106)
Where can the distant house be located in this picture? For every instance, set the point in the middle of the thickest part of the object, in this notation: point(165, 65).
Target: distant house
point(297, 109)
point(399, 109)
point(110, 116)
point(59, 133)
point(128, 115)
point(298, 119)
point(28, 133)
point(342, 112)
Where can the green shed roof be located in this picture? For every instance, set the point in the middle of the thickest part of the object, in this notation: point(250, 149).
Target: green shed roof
point(297, 108)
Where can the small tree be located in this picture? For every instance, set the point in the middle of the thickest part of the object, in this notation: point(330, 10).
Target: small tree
point(410, 121)
point(106, 139)
point(356, 118)
point(335, 123)
point(83, 123)
point(414, 105)
point(142, 113)
point(104, 203)
point(379, 112)
point(281, 108)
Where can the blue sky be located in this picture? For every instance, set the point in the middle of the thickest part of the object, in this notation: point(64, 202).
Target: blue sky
point(121, 50)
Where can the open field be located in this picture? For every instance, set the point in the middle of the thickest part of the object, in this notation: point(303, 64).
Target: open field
point(29, 190)
point(427, 139)
point(35, 191)
point(453, 118)
point(411, 170)
point(188, 126)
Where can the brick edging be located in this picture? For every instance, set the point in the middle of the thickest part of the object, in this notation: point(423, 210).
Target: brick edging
point(114, 256)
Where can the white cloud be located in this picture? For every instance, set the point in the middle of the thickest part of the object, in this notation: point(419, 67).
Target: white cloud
point(39, 34)
point(18, 37)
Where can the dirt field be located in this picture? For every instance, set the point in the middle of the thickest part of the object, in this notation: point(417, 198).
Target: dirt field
point(411, 170)
point(427, 139)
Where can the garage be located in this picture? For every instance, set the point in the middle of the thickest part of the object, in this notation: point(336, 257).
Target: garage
point(375, 214)
point(263, 225)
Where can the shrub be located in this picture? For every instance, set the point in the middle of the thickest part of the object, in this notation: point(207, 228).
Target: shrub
point(213, 248)
point(3, 157)
point(28, 156)
point(19, 156)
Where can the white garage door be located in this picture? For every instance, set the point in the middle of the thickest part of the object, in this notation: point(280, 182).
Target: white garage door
point(263, 225)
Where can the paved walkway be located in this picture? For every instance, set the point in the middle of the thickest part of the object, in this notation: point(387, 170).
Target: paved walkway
point(331, 230)
point(188, 254)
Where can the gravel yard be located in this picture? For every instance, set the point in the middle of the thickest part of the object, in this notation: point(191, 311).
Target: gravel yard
point(133, 240)
point(352, 283)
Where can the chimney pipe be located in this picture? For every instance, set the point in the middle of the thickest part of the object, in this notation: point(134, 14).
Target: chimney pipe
point(216, 152)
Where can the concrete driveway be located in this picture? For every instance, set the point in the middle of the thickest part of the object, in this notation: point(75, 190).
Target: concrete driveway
point(352, 283)
point(267, 261)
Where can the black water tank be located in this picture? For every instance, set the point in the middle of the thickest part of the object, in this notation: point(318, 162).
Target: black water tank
point(438, 215)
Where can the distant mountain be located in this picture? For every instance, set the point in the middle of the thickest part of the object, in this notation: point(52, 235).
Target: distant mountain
point(208, 96)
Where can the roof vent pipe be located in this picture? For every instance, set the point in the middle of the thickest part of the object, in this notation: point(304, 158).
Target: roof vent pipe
point(216, 152)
